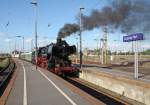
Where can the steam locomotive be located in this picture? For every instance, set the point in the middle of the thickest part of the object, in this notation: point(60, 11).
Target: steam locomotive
point(55, 58)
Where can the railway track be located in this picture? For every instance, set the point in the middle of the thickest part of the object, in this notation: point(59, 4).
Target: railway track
point(5, 76)
point(3, 69)
point(104, 97)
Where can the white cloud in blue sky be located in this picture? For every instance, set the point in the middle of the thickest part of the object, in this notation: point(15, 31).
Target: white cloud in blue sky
point(20, 14)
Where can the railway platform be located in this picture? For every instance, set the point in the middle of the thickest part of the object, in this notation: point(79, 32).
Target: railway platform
point(40, 87)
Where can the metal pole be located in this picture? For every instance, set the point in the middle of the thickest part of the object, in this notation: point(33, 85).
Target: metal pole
point(36, 34)
point(77, 45)
point(135, 61)
point(104, 46)
point(23, 44)
point(132, 47)
point(15, 44)
point(100, 50)
point(106, 52)
point(81, 37)
point(35, 4)
point(97, 46)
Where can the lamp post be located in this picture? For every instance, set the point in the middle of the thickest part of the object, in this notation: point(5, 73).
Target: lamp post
point(97, 43)
point(22, 42)
point(77, 44)
point(80, 34)
point(35, 4)
point(101, 51)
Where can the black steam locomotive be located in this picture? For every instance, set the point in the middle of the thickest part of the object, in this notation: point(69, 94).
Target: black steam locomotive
point(55, 58)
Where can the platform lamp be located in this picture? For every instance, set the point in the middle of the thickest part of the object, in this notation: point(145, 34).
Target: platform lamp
point(80, 34)
point(34, 3)
point(22, 42)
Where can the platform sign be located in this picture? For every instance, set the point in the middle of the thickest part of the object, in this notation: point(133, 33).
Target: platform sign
point(133, 37)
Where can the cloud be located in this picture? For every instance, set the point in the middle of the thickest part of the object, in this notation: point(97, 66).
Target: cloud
point(28, 40)
point(97, 35)
point(54, 40)
point(146, 46)
point(7, 40)
point(2, 34)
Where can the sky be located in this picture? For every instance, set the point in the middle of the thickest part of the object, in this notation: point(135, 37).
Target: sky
point(17, 19)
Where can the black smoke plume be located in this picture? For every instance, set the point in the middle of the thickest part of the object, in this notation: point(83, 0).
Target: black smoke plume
point(114, 15)
point(68, 29)
point(138, 17)
point(126, 15)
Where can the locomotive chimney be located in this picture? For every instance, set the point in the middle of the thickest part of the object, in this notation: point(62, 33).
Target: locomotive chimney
point(58, 39)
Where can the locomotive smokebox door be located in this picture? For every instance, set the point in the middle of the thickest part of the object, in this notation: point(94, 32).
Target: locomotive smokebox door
point(58, 40)
point(72, 49)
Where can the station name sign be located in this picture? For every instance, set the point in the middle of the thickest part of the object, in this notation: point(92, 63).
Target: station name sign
point(133, 37)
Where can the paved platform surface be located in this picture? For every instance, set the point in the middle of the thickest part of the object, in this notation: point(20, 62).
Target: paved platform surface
point(119, 73)
point(40, 87)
